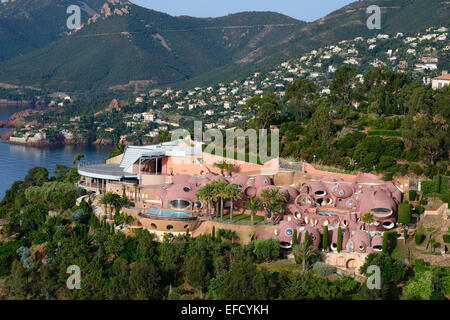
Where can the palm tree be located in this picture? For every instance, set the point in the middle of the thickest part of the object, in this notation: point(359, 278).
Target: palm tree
point(106, 201)
point(221, 166)
point(368, 219)
point(136, 188)
point(232, 193)
point(111, 200)
point(304, 252)
point(272, 202)
point(253, 205)
point(77, 158)
point(229, 167)
point(220, 188)
point(206, 193)
point(432, 243)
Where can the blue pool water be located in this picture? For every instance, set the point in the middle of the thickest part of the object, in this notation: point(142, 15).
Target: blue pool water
point(327, 213)
point(168, 213)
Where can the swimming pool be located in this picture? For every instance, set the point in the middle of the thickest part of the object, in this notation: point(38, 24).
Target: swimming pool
point(327, 213)
point(168, 213)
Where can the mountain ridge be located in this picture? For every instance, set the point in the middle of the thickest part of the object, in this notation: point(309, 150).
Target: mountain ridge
point(155, 48)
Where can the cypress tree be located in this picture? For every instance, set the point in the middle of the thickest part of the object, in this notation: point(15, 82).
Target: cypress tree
point(213, 233)
point(306, 237)
point(325, 238)
point(385, 242)
point(339, 240)
point(187, 232)
point(294, 238)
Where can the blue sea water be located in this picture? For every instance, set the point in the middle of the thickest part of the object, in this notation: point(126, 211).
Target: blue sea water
point(16, 160)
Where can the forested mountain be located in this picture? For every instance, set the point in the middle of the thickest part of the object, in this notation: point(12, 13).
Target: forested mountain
point(130, 43)
point(126, 46)
point(26, 25)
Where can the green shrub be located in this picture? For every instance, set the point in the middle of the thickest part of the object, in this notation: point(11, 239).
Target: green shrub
point(424, 202)
point(404, 213)
point(446, 238)
point(412, 195)
point(265, 249)
point(419, 266)
point(323, 269)
point(427, 187)
point(419, 209)
point(391, 133)
point(419, 238)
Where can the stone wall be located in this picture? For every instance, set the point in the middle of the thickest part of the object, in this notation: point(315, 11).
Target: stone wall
point(347, 261)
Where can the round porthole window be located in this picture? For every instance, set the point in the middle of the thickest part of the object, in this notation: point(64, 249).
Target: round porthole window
point(349, 202)
point(335, 188)
point(350, 246)
point(289, 232)
point(154, 226)
point(341, 192)
point(266, 181)
point(186, 189)
point(169, 227)
point(198, 204)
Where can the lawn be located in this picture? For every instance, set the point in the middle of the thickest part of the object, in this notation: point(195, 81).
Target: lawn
point(281, 265)
point(242, 218)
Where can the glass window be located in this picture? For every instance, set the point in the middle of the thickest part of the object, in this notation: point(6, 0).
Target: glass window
point(289, 232)
point(350, 246)
point(335, 188)
point(179, 204)
point(349, 202)
point(186, 189)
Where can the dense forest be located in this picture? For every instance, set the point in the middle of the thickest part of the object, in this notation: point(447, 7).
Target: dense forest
point(383, 123)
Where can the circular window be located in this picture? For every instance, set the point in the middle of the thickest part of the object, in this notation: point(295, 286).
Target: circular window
point(169, 227)
point(186, 189)
point(341, 192)
point(186, 226)
point(335, 188)
point(154, 226)
point(313, 237)
point(350, 202)
point(350, 246)
point(266, 181)
point(198, 204)
point(361, 248)
point(289, 232)
point(179, 204)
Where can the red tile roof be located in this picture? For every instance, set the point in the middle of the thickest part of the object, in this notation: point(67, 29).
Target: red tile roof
point(446, 77)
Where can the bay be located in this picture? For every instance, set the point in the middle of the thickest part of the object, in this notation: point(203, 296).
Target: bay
point(16, 160)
